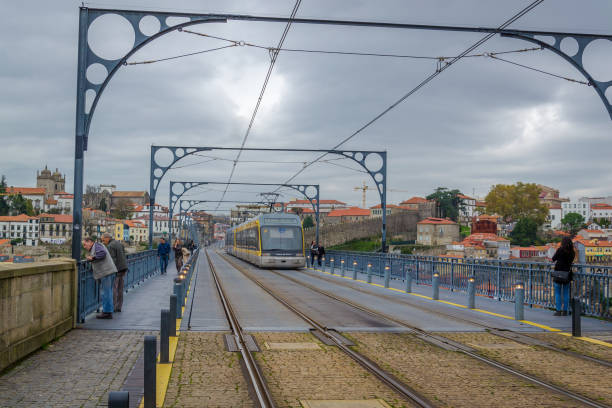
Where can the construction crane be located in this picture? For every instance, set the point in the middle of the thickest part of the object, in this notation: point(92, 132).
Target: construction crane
point(364, 188)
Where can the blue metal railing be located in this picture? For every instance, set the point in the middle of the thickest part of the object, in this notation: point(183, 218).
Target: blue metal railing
point(141, 266)
point(494, 278)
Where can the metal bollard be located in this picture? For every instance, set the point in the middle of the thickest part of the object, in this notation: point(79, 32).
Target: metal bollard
point(408, 282)
point(331, 266)
point(177, 293)
point(387, 275)
point(519, 299)
point(183, 293)
point(164, 339)
point(118, 399)
point(323, 265)
point(576, 311)
point(354, 270)
point(172, 316)
point(342, 267)
point(150, 371)
point(435, 285)
point(471, 293)
point(369, 273)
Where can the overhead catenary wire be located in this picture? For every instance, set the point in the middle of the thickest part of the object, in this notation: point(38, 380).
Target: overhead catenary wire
point(495, 57)
point(424, 82)
point(263, 90)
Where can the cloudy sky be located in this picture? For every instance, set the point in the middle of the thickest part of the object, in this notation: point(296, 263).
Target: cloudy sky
point(479, 123)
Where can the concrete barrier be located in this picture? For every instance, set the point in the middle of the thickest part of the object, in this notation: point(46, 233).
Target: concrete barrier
point(37, 305)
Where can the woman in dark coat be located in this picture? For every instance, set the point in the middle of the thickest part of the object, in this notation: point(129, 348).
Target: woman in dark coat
point(563, 258)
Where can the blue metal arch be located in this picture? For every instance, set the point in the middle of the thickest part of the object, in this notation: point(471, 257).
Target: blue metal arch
point(576, 60)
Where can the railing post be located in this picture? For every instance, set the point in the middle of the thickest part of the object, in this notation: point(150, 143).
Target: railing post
point(471, 293)
point(498, 282)
point(331, 266)
point(177, 293)
point(342, 266)
point(452, 274)
point(435, 285)
point(354, 270)
point(408, 281)
point(369, 270)
point(387, 275)
point(150, 371)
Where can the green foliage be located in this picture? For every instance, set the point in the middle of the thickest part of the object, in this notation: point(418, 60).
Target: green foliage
point(602, 222)
point(525, 232)
point(572, 223)
point(54, 211)
point(308, 222)
point(409, 249)
point(360, 245)
point(103, 206)
point(20, 205)
point(516, 201)
point(4, 206)
point(16, 241)
point(122, 211)
point(465, 231)
point(448, 202)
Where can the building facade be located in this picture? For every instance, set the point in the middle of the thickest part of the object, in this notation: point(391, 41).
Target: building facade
point(52, 182)
point(55, 228)
point(35, 194)
point(21, 227)
point(437, 231)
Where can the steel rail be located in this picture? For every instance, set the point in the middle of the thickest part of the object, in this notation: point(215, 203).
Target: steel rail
point(493, 363)
point(264, 397)
point(381, 374)
point(483, 325)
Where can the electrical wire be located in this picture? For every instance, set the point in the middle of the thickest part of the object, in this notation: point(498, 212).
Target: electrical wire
point(441, 68)
point(263, 90)
point(178, 56)
point(540, 71)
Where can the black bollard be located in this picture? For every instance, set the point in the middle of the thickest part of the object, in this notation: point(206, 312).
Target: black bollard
point(118, 399)
point(164, 340)
point(576, 310)
point(172, 316)
point(177, 293)
point(150, 371)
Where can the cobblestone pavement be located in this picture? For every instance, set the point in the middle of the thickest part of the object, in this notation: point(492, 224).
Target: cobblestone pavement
point(205, 375)
point(327, 373)
point(77, 370)
point(577, 345)
point(451, 379)
point(582, 377)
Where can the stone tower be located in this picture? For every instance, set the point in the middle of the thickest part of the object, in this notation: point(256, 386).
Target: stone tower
point(52, 182)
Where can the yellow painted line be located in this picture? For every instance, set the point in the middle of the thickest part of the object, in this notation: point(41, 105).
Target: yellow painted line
point(493, 314)
point(421, 296)
point(178, 325)
point(376, 284)
point(173, 346)
point(452, 304)
point(397, 290)
point(589, 339)
point(541, 326)
point(163, 378)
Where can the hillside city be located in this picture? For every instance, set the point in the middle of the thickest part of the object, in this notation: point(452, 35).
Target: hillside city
point(36, 221)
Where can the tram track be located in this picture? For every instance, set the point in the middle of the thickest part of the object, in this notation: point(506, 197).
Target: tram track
point(332, 336)
point(255, 377)
point(503, 333)
point(436, 340)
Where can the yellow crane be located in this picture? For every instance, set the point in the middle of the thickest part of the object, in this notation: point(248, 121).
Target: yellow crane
point(364, 188)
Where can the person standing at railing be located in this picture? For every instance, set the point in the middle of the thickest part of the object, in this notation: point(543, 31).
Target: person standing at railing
point(104, 270)
point(163, 252)
point(117, 253)
point(562, 275)
point(320, 253)
point(185, 255)
point(178, 254)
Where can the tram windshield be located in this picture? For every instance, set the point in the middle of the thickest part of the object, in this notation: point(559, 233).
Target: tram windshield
point(281, 238)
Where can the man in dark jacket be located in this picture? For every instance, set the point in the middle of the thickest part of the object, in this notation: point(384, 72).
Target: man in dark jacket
point(117, 253)
point(320, 253)
point(163, 251)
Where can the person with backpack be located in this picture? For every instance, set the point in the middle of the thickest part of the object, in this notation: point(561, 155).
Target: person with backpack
point(562, 275)
point(320, 253)
point(313, 252)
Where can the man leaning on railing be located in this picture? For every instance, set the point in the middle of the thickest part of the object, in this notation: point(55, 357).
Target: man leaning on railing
point(103, 269)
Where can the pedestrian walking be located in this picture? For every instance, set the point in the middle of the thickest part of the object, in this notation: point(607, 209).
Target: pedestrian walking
point(320, 253)
point(313, 252)
point(178, 254)
point(163, 252)
point(562, 275)
point(117, 253)
point(104, 270)
point(185, 255)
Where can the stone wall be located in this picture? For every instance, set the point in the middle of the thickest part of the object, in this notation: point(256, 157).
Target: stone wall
point(37, 305)
point(399, 226)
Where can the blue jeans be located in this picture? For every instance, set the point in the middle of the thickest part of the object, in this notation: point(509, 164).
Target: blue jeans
point(106, 293)
point(562, 290)
point(163, 263)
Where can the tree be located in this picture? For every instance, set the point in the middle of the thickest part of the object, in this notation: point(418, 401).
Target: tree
point(448, 202)
point(103, 206)
point(602, 222)
point(4, 205)
point(20, 205)
point(572, 223)
point(516, 201)
point(297, 210)
point(122, 210)
point(525, 232)
point(308, 222)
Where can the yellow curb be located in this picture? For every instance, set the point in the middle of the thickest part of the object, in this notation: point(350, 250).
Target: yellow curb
point(541, 326)
point(163, 372)
point(452, 304)
point(421, 296)
point(589, 339)
point(493, 314)
point(178, 326)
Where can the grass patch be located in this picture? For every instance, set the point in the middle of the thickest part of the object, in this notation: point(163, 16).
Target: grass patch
point(360, 245)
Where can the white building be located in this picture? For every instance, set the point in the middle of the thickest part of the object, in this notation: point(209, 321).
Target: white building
point(580, 206)
point(161, 226)
point(20, 226)
point(468, 207)
point(601, 210)
point(142, 210)
point(35, 194)
point(553, 220)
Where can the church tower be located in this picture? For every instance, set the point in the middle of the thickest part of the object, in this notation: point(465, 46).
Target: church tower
point(51, 182)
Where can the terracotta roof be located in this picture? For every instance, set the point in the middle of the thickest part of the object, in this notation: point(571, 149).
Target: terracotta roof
point(5, 241)
point(50, 201)
point(415, 200)
point(601, 206)
point(483, 236)
point(463, 196)
point(17, 218)
point(353, 211)
point(594, 243)
point(485, 217)
point(481, 203)
point(26, 190)
point(388, 206)
point(129, 193)
point(64, 218)
point(438, 221)
point(555, 206)
point(314, 201)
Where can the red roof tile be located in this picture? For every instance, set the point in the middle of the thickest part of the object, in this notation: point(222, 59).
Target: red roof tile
point(17, 218)
point(601, 206)
point(414, 200)
point(26, 190)
point(64, 218)
point(438, 221)
point(353, 212)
